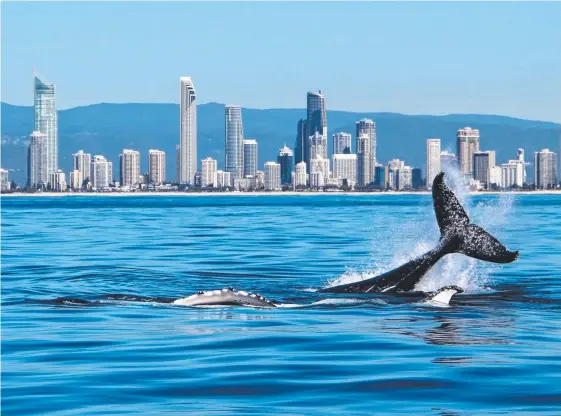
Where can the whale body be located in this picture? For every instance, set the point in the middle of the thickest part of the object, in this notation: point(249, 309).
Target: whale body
point(225, 297)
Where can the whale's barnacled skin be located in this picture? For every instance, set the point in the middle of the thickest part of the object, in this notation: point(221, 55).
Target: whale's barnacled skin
point(225, 297)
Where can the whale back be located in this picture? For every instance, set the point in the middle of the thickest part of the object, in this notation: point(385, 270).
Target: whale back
point(225, 297)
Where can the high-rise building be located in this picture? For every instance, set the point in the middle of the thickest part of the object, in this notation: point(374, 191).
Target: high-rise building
point(58, 181)
point(368, 127)
point(342, 143)
point(317, 115)
point(300, 175)
point(448, 161)
point(234, 141)
point(417, 178)
point(433, 160)
point(494, 177)
point(76, 179)
point(223, 179)
point(188, 132)
point(82, 161)
point(467, 144)
point(178, 163)
point(522, 164)
point(250, 162)
point(404, 178)
point(46, 122)
point(156, 166)
point(364, 171)
point(37, 160)
point(318, 146)
point(4, 180)
point(301, 148)
point(545, 169)
point(381, 176)
point(344, 168)
point(319, 171)
point(272, 176)
point(285, 159)
point(483, 162)
point(209, 167)
point(130, 167)
point(101, 172)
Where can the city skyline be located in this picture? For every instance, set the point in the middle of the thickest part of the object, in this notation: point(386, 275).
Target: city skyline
point(424, 33)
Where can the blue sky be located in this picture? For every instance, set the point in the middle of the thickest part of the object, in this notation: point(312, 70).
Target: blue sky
point(415, 58)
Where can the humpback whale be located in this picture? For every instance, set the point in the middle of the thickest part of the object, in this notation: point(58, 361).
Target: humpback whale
point(457, 235)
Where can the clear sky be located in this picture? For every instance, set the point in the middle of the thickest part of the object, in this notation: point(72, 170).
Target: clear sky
point(415, 58)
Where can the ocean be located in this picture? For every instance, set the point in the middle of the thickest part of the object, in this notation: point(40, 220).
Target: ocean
point(89, 327)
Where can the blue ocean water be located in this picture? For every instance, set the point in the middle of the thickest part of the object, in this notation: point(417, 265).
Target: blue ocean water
point(88, 326)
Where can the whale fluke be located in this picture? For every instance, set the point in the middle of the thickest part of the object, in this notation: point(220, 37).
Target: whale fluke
point(442, 296)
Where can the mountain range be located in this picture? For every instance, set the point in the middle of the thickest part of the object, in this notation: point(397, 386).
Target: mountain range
point(108, 128)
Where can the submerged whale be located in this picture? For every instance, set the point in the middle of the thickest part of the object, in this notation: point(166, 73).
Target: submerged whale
point(457, 235)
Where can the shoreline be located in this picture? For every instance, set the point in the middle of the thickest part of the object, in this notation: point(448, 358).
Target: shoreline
point(254, 194)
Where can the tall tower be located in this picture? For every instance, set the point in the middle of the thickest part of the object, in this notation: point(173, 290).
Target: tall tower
point(368, 127)
point(545, 169)
point(285, 159)
point(433, 160)
point(156, 166)
point(130, 167)
point(234, 141)
point(37, 160)
point(341, 143)
point(249, 158)
point(81, 162)
point(468, 143)
point(301, 148)
point(188, 132)
point(46, 122)
point(364, 172)
point(317, 117)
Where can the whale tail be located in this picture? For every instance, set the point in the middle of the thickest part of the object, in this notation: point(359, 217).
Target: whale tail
point(458, 235)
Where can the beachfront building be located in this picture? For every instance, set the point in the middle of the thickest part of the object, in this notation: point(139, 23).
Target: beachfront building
point(381, 176)
point(467, 140)
point(156, 166)
point(483, 162)
point(300, 175)
point(367, 127)
point(187, 132)
point(344, 168)
point(250, 158)
point(318, 146)
point(46, 122)
point(316, 117)
point(37, 160)
point(223, 179)
point(342, 143)
point(101, 172)
point(76, 179)
point(272, 176)
point(364, 171)
point(545, 169)
point(234, 142)
point(285, 159)
point(433, 160)
point(404, 178)
point(130, 168)
point(209, 167)
point(82, 161)
point(57, 181)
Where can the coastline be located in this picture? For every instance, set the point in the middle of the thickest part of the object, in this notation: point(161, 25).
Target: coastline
point(254, 194)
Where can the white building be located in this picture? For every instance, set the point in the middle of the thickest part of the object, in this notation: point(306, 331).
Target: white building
point(260, 179)
point(46, 122)
point(300, 175)
point(467, 144)
point(223, 179)
point(319, 164)
point(209, 167)
point(156, 166)
point(76, 179)
point(509, 172)
point(344, 167)
point(272, 176)
point(367, 127)
point(37, 160)
point(364, 170)
point(82, 161)
point(101, 172)
point(187, 132)
point(483, 162)
point(130, 167)
point(234, 141)
point(249, 158)
point(318, 146)
point(58, 181)
point(495, 176)
point(4, 180)
point(545, 169)
point(317, 180)
point(433, 160)
point(404, 178)
point(341, 143)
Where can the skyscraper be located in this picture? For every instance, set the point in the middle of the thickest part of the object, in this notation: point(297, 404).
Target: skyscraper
point(285, 159)
point(250, 162)
point(367, 127)
point(301, 148)
point(319, 171)
point(58, 181)
point(341, 143)
point(381, 176)
point(81, 161)
point(101, 173)
point(130, 167)
point(483, 162)
point(272, 176)
point(344, 167)
point(76, 179)
point(417, 178)
point(234, 141)
point(300, 175)
point(156, 166)
point(46, 122)
point(433, 160)
point(178, 163)
point(404, 178)
point(188, 132)
point(37, 160)
point(467, 143)
point(318, 146)
point(317, 116)
point(364, 171)
point(4, 180)
point(208, 172)
point(545, 169)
